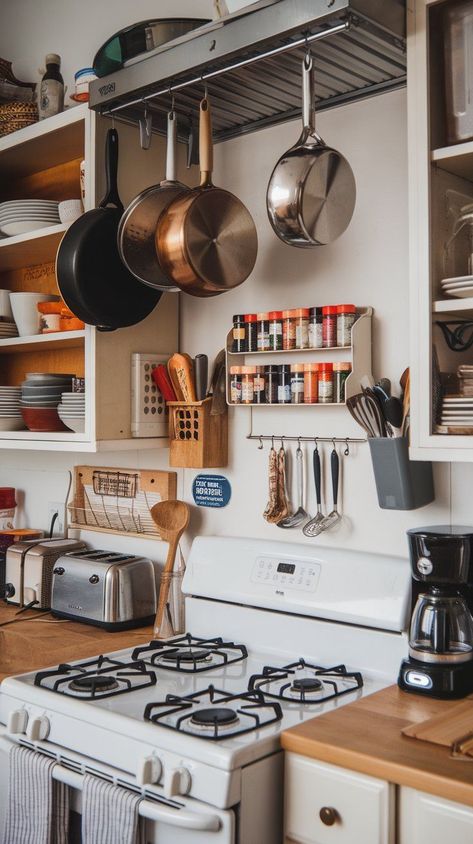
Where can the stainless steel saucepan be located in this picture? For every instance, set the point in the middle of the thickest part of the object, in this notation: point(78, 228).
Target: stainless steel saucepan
point(311, 193)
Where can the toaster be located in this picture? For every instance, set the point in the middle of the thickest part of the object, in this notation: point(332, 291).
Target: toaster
point(29, 569)
point(111, 590)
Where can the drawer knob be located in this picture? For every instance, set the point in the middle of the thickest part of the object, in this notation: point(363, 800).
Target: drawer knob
point(94, 578)
point(328, 815)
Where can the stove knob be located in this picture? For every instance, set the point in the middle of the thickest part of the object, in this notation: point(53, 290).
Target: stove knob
point(38, 728)
point(176, 781)
point(149, 770)
point(17, 721)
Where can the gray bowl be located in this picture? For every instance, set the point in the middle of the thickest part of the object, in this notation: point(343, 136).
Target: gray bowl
point(46, 390)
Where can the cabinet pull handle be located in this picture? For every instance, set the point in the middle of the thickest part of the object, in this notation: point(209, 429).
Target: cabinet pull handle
point(328, 815)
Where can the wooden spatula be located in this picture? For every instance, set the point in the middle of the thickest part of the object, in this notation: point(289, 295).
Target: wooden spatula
point(171, 518)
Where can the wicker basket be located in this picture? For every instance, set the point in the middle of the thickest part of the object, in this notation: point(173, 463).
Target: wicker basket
point(15, 116)
point(197, 439)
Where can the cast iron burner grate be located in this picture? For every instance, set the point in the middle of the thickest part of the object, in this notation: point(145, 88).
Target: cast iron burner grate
point(190, 654)
point(205, 714)
point(97, 678)
point(306, 683)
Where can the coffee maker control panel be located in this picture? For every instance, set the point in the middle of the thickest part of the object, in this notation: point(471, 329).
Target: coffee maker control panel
point(417, 679)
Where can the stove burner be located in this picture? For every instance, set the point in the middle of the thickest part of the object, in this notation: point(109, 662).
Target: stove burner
point(323, 683)
point(94, 683)
point(307, 684)
point(209, 717)
point(190, 654)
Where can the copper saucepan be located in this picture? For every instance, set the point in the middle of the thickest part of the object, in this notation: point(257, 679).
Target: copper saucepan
point(206, 239)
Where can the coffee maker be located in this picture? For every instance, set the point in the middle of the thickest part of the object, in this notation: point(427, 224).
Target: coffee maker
point(440, 662)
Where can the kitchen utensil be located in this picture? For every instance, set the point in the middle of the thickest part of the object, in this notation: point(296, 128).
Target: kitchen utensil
point(300, 515)
point(171, 518)
point(310, 529)
point(29, 569)
point(217, 387)
point(334, 516)
point(137, 228)
point(201, 367)
point(181, 375)
point(206, 240)
point(311, 193)
point(394, 414)
point(93, 281)
point(436, 397)
point(161, 379)
point(385, 385)
point(373, 412)
point(25, 312)
point(354, 405)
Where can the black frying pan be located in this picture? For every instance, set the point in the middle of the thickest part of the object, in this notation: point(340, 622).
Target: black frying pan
point(92, 279)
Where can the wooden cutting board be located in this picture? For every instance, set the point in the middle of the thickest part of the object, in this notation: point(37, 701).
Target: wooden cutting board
point(448, 728)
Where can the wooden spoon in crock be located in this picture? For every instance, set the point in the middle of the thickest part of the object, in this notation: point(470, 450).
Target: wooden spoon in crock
point(171, 519)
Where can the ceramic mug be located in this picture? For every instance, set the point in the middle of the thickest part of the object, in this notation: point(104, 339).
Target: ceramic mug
point(25, 312)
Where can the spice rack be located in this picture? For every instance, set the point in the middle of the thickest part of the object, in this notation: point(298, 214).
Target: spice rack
point(358, 353)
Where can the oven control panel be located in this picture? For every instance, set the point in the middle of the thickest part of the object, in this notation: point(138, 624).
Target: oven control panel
point(281, 574)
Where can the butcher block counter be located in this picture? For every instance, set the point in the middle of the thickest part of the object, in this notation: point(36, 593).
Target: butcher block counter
point(39, 640)
point(365, 736)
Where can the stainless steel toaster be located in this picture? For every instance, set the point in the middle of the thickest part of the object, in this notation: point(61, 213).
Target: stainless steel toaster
point(29, 569)
point(111, 590)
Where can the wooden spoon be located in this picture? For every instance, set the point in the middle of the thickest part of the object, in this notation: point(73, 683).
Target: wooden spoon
point(171, 518)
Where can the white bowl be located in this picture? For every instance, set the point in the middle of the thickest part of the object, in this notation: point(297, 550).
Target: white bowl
point(69, 210)
point(25, 312)
point(76, 424)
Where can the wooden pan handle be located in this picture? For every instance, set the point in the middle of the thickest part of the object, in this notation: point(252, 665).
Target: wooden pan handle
point(205, 144)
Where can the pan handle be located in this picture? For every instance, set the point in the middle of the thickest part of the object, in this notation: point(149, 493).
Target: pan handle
point(171, 147)
point(205, 144)
point(111, 171)
point(308, 98)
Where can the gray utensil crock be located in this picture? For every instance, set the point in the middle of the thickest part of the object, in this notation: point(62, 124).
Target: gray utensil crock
point(402, 484)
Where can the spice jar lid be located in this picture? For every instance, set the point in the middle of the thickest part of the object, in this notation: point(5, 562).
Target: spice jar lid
point(248, 370)
point(275, 314)
point(344, 366)
point(301, 312)
point(238, 317)
point(250, 317)
point(297, 367)
point(287, 314)
point(311, 367)
point(7, 498)
point(235, 370)
point(315, 312)
point(325, 367)
point(346, 309)
point(262, 316)
point(329, 309)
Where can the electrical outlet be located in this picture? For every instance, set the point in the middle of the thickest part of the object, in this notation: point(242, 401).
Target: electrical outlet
point(59, 524)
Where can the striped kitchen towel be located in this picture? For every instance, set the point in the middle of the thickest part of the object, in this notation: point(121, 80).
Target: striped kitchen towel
point(109, 813)
point(38, 806)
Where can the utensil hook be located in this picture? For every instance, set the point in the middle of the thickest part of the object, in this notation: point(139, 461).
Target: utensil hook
point(173, 101)
point(260, 447)
point(334, 447)
point(282, 442)
point(204, 83)
point(308, 54)
point(145, 123)
point(347, 448)
point(316, 443)
point(272, 442)
point(299, 444)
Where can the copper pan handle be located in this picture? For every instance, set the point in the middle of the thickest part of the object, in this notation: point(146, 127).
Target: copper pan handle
point(205, 144)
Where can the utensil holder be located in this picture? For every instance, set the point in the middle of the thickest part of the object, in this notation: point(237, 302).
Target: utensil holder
point(401, 484)
point(197, 439)
point(173, 622)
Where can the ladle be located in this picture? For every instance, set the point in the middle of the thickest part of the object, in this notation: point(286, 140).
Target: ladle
point(300, 515)
point(171, 518)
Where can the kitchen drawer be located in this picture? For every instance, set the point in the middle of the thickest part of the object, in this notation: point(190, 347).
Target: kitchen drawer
point(423, 817)
point(364, 805)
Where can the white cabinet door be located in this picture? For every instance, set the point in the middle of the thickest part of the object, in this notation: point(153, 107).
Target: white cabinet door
point(356, 809)
point(423, 817)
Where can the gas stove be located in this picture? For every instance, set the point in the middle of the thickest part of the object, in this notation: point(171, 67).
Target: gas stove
point(194, 722)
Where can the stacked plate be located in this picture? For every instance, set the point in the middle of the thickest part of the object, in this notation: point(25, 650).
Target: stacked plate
point(24, 215)
point(460, 287)
point(40, 396)
point(8, 329)
point(10, 413)
point(457, 412)
point(72, 411)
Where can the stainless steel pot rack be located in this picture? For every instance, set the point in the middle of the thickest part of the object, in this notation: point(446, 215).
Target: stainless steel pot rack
point(251, 65)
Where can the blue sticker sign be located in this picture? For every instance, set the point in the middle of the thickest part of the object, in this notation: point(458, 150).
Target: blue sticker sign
point(211, 490)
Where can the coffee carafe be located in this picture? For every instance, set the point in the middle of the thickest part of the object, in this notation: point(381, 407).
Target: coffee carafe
point(440, 662)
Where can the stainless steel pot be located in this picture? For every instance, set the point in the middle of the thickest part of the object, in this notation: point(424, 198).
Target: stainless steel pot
point(311, 193)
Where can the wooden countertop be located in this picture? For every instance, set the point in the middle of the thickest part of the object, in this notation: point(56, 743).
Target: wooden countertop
point(39, 640)
point(365, 736)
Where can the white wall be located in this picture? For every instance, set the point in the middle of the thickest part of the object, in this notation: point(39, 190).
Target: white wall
point(367, 266)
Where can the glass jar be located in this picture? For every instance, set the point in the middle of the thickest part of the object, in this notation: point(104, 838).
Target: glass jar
point(7, 507)
point(311, 383)
point(271, 382)
point(251, 332)
point(263, 332)
point(341, 372)
point(247, 384)
point(235, 384)
point(346, 317)
point(258, 386)
point(297, 383)
point(275, 330)
point(315, 328)
point(239, 333)
point(284, 384)
point(301, 323)
point(329, 326)
point(288, 330)
point(325, 374)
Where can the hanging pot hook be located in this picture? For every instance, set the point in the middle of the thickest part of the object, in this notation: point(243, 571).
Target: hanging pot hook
point(333, 444)
point(347, 448)
point(282, 442)
point(260, 444)
point(171, 95)
point(204, 83)
point(308, 54)
point(316, 442)
point(272, 441)
point(145, 123)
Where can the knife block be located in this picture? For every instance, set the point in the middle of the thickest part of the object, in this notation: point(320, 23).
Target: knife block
point(197, 439)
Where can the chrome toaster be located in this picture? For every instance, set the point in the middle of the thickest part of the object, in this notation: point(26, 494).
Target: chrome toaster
point(29, 569)
point(111, 590)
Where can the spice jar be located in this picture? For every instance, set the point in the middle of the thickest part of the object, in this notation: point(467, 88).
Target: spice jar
point(275, 330)
point(288, 330)
point(346, 317)
point(251, 332)
point(239, 333)
point(311, 383)
point(235, 384)
point(263, 332)
point(329, 326)
point(301, 323)
point(315, 328)
point(284, 384)
point(247, 384)
point(325, 374)
point(271, 382)
point(297, 383)
point(258, 386)
point(341, 372)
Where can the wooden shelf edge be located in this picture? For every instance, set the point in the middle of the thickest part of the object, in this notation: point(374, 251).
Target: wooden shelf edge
point(82, 446)
point(447, 306)
point(58, 340)
point(452, 151)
